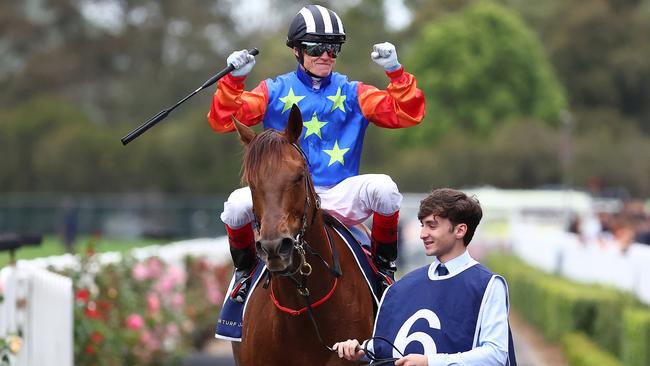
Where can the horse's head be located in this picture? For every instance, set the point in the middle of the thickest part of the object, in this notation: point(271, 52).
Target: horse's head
point(277, 175)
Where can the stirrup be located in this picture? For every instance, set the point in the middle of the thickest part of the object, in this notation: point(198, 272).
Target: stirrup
point(386, 275)
point(242, 285)
point(383, 281)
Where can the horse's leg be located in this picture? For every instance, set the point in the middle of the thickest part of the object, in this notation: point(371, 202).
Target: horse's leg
point(235, 351)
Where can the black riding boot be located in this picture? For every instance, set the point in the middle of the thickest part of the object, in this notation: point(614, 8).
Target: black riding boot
point(245, 262)
point(384, 260)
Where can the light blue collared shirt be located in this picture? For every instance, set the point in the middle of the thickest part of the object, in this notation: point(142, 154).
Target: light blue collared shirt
point(492, 343)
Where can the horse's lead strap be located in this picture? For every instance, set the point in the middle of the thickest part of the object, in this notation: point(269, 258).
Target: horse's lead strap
point(313, 322)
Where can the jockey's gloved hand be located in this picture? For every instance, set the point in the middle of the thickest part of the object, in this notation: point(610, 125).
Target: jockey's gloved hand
point(385, 55)
point(242, 61)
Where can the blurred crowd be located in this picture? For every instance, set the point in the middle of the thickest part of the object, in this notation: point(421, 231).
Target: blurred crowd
point(616, 229)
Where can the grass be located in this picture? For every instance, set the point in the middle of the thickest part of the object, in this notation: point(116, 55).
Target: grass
point(52, 245)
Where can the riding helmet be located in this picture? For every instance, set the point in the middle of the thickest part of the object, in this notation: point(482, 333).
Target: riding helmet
point(315, 23)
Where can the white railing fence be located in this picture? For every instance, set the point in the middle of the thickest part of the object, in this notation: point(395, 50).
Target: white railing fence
point(38, 304)
point(563, 253)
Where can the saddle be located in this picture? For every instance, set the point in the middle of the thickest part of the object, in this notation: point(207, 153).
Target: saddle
point(359, 232)
point(361, 235)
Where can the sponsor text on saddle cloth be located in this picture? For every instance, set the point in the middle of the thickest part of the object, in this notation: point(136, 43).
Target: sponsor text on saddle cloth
point(443, 318)
point(229, 325)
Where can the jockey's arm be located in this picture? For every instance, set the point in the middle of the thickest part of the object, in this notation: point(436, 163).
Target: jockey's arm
point(230, 99)
point(400, 105)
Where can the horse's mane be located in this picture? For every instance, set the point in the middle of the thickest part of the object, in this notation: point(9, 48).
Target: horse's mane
point(262, 154)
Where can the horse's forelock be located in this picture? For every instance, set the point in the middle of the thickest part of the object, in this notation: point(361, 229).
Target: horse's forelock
point(263, 154)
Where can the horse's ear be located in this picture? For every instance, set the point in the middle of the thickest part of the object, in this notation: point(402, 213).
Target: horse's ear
point(294, 126)
point(246, 134)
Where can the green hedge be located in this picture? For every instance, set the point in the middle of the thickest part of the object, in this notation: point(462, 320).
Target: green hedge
point(558, 307)
point(581, 351)
point(636, 337)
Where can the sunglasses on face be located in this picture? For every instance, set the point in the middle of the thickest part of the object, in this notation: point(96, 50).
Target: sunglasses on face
point(317, 49)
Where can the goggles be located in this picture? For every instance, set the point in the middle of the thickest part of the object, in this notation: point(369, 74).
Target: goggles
point(316, 49)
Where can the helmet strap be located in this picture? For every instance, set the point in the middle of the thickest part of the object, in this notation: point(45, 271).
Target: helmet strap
point(301, 57)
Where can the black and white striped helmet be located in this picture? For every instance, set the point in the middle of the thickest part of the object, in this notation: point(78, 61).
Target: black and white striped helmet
point(315, 23)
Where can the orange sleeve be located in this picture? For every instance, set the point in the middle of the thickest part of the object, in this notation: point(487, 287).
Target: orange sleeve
point(401, 105)
point(230, 98)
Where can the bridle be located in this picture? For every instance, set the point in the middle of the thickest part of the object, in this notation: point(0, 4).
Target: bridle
point(302, 246)
point(299, 241)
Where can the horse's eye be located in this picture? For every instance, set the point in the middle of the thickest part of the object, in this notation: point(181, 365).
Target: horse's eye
point(299, 178)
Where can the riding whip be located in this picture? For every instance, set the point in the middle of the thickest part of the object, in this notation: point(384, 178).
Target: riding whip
point(165, 112)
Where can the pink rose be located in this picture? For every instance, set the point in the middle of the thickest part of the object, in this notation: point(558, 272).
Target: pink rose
point(165, 285)
point(172, 330)
point(149, 341)
point(155, 267)
point(176, 275)
point(140, 272)
point(177, 300)
point(134, 321)
point(153, 303)
point(145, 336)
point(215, 296)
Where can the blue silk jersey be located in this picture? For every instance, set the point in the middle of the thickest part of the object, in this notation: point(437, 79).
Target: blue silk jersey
point(334, 126)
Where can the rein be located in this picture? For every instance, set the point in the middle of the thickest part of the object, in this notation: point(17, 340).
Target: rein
point(374, 361)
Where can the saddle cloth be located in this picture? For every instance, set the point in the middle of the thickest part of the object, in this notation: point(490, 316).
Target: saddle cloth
point(229, 325)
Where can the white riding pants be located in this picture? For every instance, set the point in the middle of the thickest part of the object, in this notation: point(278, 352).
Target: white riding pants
point(352, 201)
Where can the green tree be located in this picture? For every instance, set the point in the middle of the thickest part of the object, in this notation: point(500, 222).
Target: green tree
point(599, 51)
point(478, 68)
point(521, 155)
point(76, 160)
point(23, 128)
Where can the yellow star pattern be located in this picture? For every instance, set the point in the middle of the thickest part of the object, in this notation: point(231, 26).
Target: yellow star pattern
point(290, 99)
point(338, 100)
point(314, 126)
point(336, 154)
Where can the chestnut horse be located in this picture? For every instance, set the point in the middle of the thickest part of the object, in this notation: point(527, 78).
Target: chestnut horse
point(300, 252)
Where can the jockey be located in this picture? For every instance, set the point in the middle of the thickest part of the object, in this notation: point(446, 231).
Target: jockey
point(336, 113)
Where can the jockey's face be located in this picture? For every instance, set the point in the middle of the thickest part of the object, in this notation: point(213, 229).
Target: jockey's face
point(320, 66)
point(441, 238)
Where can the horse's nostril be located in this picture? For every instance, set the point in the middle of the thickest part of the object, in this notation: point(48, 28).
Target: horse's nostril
point(286, 245)
point(258, 247)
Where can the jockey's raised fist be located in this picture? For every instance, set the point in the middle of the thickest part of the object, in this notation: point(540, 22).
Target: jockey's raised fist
point(385, 55)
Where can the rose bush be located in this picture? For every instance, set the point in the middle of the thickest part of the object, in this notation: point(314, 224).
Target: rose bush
point(144, 312)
